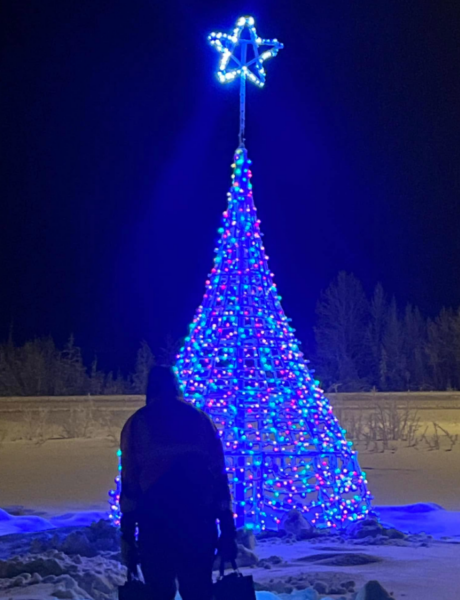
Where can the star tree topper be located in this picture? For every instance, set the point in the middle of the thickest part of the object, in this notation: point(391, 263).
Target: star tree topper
point(243, 57)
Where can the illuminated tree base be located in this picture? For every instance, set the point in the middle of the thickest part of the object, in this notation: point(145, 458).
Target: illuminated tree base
point(114, 496)
point(324, 505)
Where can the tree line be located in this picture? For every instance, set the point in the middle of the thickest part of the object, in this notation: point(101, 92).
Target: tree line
point(361, 344)
point(40, 368)
point(369, 343)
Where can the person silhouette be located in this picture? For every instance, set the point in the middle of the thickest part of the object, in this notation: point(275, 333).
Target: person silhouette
point(174, 487)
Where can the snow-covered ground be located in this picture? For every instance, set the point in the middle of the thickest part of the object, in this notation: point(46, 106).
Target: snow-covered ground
point(62, 484)
point(73, 475)
point(83, 563)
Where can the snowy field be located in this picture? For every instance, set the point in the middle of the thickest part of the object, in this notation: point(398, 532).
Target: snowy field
point(73, 475)
point(63, 484)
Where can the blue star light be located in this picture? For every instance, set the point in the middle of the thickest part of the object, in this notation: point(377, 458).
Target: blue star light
point(237, 59)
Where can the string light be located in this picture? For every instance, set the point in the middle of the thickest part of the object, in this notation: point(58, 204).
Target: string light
point(241, 363)
point(235, 61)
point(114, 496)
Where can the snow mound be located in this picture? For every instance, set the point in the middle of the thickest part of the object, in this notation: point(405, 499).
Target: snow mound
point(422, 507)
point(430, 519)
point(301, 584)
point(339, 559)
point(30, 523)
point(21, 524)
point(64, 576)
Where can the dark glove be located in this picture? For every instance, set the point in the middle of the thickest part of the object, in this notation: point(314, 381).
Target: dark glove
point(129, 554)
point(227, 547)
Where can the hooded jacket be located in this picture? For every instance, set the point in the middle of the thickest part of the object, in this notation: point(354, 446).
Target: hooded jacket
point(172, 467)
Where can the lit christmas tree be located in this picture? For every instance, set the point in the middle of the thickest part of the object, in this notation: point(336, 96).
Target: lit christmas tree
point(241, 362)
point(242, 365)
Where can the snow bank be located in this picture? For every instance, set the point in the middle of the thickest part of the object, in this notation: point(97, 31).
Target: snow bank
point(427, 518)
point(23, 524)
point(31, 523)
point(431, 519)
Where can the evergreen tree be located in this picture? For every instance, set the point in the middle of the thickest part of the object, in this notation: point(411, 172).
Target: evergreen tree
point(116, 386)
point(393, 361)
point(375, 331)
point(97, 380)
point(72, 377)
point(342, 313)
point(414, 341)
point(144, 364)
point(443, 349)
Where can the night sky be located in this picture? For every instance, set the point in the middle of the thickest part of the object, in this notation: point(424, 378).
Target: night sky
point(117, 140)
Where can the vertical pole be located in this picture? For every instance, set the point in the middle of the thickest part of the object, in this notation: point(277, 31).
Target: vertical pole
point(242, 109)
point(242, 95)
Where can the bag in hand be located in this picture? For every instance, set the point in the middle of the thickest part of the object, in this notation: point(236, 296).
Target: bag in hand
point(234, 586)
point(133, 589)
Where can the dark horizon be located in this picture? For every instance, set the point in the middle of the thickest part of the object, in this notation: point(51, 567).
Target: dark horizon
point(118, 140)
